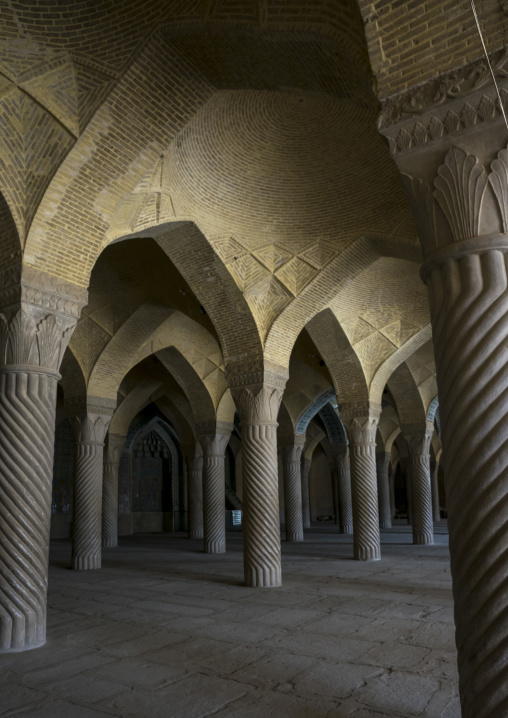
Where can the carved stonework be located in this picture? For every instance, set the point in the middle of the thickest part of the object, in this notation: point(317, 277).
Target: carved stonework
point(305, 493)
point(214, 491)
point(29, 341)
point(292, 448)
point(258, 404)
point(383, 488)
point(498, 179)
point(344, 490)
point(255, 372)
point(451, 103)
point(418, 437)
point(460, 186)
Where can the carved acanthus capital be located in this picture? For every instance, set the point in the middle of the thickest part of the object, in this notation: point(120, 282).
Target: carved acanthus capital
point(90, 428)
point(464, 201)
point(38, 313)
point(258, 404)
point(383, 461)
point(214, 444)
point(291, 447)
point(418, 437)
point(360, 419)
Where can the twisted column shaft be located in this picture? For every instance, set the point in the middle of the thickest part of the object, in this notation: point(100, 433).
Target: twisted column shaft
point(434, 476)
point(418, 437)
point(214, 492)
point(306, 493)
point(195, 494)
point(361, 429)
point(469, 310)
point(293, 491)
point(258, 406)
point(110, 491)
point(344, 490)
point(383, 488)
point(27, 430)
point(90, 430)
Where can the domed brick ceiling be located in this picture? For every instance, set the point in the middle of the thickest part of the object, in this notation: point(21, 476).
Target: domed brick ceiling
point(282, 167)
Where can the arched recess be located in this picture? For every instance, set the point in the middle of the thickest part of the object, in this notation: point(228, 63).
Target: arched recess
point(307, 416)
point(133, 403)
point(286, 427)
point(335, 429)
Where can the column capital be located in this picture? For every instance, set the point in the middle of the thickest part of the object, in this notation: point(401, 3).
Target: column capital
point(90, 418)
point(418, 437)
point(291, 447)
point(38, 313)
point(214, 438)
point(360, 419)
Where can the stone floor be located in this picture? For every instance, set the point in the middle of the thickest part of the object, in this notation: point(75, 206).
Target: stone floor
point(165, 631)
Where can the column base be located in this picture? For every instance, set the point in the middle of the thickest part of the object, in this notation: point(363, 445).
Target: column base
point(196, 534)
point(215, 547)
point(367, 553)
point(385, 524)
point(263, 578)
point(347, 529)
point(21, 633)
point(423, 539)
point(86, 563)
point(306, 525)
point(294, 536)
point(110, 543)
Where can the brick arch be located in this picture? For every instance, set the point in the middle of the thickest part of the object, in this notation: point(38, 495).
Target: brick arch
point(341, 360)
point(73, 379)
point(10, 242)
point(408, 401)
point(311, 411)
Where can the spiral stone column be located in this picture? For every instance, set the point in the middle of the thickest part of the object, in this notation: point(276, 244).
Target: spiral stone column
point(418, 437)
point(383, 489)
point(462, 219)
point(112, 458)
point(344, 490)
point(195, 493)
point(434, 483)
point(257, 394)
point(214, 491)
point(292, 467)
point(35, 327)
point(90, 429)
point(361, 422)
point(306, 464)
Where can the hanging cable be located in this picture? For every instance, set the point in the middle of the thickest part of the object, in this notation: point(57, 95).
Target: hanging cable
point(488, 62)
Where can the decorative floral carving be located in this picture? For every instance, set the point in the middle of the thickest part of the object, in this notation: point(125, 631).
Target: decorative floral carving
point(499, 182)
point(460, 187)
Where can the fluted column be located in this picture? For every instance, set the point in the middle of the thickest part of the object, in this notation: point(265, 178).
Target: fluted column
point(258, 395)
point(434, 476)
point(214, 491)
point(292, 465)
point(112, 458)
point(383, 489)
point(89, 431)
point(195, 494)
point(344, 490)
point(361, 424)
point(35, 327)
point(307, 462)
point(418, 437)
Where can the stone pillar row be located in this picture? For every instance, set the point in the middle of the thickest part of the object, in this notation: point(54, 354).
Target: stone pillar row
point(344, 491)
point(306, 493)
